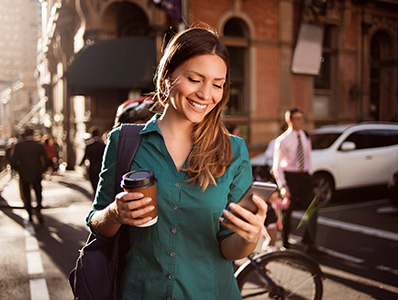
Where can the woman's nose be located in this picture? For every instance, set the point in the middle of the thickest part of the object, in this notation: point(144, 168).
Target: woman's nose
point(204, 92)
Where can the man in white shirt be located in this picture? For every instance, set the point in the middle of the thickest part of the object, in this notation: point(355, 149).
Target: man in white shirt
point(293, 174)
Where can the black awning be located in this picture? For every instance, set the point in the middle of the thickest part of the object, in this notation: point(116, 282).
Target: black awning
point(122, 63)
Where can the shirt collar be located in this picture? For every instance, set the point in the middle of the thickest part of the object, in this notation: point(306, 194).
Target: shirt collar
point(296, 132)
point(152, 125)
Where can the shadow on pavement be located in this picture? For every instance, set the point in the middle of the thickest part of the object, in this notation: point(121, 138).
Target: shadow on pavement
point(7, 210)
point(61, 242)
point(77, 188)
point(371, 290)
point(371, 283)
point(373, 279)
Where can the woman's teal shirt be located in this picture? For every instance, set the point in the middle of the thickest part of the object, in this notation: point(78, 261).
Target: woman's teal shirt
point(179, 257)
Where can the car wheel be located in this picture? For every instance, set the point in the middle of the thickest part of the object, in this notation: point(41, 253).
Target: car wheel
point(323, 188)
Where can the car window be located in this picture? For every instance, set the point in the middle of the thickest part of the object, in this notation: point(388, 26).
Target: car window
point(373, 138)
point(323, 140)
point(394, 134)
point(382, 138)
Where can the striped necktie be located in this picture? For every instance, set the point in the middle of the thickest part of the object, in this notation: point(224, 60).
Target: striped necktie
point(300, 154)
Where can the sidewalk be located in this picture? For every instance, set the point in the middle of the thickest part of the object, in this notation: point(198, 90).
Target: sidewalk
point(37, 258)
point(64, 188)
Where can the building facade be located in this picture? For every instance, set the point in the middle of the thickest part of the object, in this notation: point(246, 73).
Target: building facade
point(336, 59)
point(19, 33)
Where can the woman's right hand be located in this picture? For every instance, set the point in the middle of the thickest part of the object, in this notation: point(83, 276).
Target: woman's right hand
point(128, 208)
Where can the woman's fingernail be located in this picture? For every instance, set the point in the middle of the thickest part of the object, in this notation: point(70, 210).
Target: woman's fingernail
point(226, 212)
point(148, 200)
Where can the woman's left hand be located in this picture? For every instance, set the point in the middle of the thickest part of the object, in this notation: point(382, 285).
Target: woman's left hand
point(249, 228)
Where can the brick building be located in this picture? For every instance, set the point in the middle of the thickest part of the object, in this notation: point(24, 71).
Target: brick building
point(337, 59)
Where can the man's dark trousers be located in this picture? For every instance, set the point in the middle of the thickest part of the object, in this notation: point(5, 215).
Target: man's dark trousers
point(302, 194)
point(36, 184)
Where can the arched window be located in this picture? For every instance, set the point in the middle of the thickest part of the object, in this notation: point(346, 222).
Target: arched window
point(236, 38)
point(124, 19)
point(132, 21)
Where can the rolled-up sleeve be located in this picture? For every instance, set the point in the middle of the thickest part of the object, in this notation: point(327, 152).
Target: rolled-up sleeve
point(105, 193)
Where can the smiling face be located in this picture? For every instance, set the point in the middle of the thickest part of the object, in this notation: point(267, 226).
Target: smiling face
point(196, 87)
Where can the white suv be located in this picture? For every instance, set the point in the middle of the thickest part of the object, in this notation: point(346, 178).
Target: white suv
point(352, 156)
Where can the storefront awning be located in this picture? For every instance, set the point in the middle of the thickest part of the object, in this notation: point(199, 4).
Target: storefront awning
point(122, 63)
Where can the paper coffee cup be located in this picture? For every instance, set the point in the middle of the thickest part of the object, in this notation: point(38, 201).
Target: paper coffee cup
point(142, 181)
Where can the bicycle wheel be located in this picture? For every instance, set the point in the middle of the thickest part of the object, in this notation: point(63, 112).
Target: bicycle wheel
point(293, 272)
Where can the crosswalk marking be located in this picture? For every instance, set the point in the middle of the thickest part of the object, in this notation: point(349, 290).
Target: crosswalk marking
point(31, 243)
point(38, 289)
point(387, 210)
point(35, 266)
point(383, 234)
point(38, 286)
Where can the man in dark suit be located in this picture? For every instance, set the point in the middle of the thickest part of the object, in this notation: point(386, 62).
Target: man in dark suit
point(30, 160)
point(94, 151)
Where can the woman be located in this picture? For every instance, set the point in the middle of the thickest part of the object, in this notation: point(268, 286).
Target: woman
point(201, 171)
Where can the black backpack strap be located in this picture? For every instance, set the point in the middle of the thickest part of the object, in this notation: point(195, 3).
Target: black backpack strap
point(129, 140)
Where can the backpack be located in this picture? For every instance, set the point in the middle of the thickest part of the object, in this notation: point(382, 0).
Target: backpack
point(100, 263)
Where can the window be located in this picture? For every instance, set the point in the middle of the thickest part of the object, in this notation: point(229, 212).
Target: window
point(382, 138)
point(124, 19)
point(236, 102)
point(236, 38)
point(374, 138)
point(359, 138)
point(323, 140)
point(322, 80)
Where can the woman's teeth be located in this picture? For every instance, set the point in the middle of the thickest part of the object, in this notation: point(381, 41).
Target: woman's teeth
point(197, 105)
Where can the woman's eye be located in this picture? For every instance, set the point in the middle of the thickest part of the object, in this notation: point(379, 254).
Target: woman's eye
point(218, 86)
point(193, 80)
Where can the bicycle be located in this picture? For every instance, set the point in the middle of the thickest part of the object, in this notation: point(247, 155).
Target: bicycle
point(287, 274)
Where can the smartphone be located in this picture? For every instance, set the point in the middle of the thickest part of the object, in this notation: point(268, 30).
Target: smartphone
point(261, 189)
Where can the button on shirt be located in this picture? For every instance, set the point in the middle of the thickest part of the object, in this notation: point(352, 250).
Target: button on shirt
point(285, 154)
point(179, 257)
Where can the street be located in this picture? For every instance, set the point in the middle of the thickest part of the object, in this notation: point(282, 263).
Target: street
point(359, 232)
point(360, 237)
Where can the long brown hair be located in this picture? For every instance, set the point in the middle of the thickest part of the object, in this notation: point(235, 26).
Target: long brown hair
point(212, 151)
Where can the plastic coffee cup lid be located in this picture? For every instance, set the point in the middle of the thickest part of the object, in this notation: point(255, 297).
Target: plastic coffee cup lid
point(138, 179)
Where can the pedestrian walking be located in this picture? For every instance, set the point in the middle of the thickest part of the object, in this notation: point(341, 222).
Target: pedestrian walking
point(93, 153)
point(29, 159)
point(201, 171)
point(52, 153)
point(293, 174)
